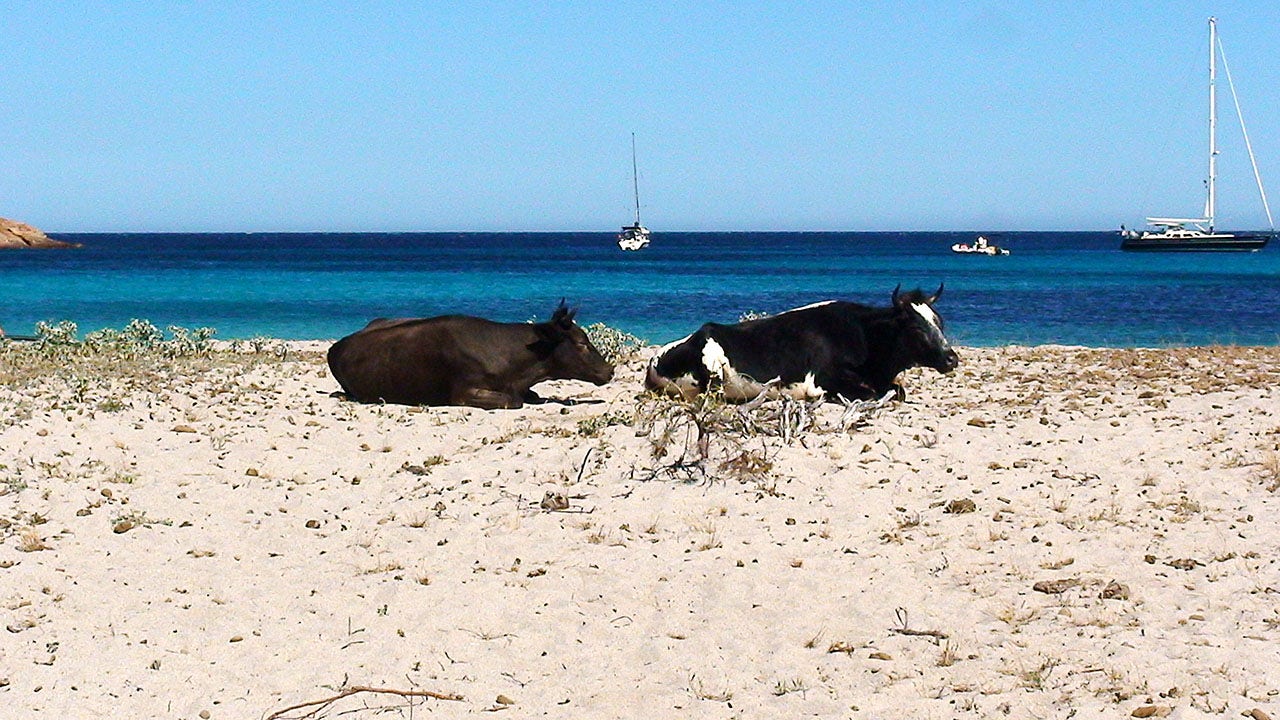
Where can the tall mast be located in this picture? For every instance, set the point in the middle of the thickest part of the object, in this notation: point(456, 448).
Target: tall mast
point(1210, 204)
point(635, 176)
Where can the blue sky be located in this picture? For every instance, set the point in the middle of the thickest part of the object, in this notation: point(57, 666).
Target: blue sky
point(398, 116)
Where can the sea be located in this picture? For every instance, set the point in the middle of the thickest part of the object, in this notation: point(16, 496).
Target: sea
point(1072, 288)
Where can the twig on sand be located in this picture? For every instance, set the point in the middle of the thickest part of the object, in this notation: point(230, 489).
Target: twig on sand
point(326, 702)
point(904, 630)
point(583, 468)
point(856, 412)
point(930, 633)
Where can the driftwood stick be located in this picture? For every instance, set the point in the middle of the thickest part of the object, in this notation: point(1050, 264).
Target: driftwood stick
point(931, 633)
point(904, 630)
point(360, 689)
point(583, 468)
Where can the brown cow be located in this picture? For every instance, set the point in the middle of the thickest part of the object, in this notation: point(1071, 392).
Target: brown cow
point(462, 360)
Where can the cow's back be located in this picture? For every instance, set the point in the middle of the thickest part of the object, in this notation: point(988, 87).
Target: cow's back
point(803, 352)
point(408, 361)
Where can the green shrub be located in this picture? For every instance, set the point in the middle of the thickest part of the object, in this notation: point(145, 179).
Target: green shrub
point(615, 345)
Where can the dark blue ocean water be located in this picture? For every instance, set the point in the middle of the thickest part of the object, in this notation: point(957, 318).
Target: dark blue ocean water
point(1073, 288)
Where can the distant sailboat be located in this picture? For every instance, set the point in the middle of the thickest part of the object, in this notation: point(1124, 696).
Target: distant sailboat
point(1199, 233)
point(634, 237)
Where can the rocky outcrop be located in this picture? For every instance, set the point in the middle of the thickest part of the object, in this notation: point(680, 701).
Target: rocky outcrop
point(14, 234)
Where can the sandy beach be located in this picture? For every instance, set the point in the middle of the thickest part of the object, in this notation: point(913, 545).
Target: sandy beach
point(1049, 532)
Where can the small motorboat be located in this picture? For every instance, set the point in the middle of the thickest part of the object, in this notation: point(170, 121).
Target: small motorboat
point(980, 246)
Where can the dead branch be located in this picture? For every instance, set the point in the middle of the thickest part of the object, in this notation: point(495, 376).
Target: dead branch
point(856, 413)
point(904, 630)
point(326, 702)
point(936, 634)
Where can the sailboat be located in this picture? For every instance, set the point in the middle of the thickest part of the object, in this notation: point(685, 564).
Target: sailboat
point(634, 237)
point(1199, 233)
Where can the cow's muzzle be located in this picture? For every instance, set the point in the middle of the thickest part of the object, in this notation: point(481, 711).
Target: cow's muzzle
point(950, 361)
point(600, 376)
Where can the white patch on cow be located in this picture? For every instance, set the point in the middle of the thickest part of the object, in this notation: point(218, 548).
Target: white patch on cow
point(683, 386)
point(715, 361)
point(809, 306)
point(935, 326)
point(807, 389)
point(929, 315)
point(663, 350)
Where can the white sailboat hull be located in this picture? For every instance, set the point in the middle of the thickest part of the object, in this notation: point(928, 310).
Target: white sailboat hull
point(633, 237)
point(1198, 233)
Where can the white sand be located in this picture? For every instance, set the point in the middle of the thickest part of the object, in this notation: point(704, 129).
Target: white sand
point(287, 544)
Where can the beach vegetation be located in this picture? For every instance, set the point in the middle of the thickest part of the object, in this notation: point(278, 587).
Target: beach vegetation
point(812, 642)
point(1016, 616)
point(790, 685)
point(1269, 471)
point(29, 540)
point(1035, 678)
point(384, 567)
point(699, 691)
point(112, 405)
point(708, 437)
point(947, 655)
point(748, 465)
point(710, 540)
point(261, 345)
point(123, 478)
point(616, 346)
point(592, 427)
point(97, 373)
point(11, 483)
point(136, 518)
point(1060, 503)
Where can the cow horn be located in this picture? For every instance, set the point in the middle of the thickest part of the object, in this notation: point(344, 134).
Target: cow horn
point(938, 294)
point(895, 294)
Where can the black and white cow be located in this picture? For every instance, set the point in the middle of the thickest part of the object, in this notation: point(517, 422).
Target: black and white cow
point(828, 349)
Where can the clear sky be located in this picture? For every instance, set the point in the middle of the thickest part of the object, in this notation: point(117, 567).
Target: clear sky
point(399, 116)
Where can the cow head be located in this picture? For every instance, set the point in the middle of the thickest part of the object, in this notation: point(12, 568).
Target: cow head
point(921, 339)
point(568, 352)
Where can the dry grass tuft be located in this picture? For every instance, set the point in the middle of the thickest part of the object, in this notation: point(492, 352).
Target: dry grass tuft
point(29, 540)
point(1269, 471)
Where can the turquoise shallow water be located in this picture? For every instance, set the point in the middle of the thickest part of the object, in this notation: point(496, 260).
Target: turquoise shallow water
point(1070, 288)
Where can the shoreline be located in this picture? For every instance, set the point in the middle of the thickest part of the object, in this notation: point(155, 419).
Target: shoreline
point(1048, 526)
point(321, 345)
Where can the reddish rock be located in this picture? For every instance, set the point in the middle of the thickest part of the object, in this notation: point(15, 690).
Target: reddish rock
point(14, 234)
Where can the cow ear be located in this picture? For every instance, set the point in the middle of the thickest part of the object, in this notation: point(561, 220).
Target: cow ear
point(563, 316)
point(561, 312)
point(934, 298)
